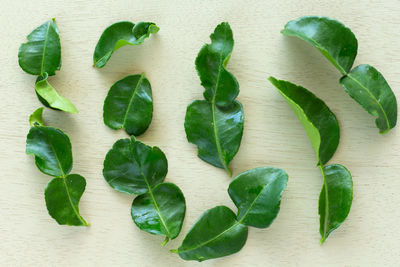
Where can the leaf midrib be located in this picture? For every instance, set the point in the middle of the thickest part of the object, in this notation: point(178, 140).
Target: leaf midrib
point(44, 48)
point(72, 205)
point(326, 217)
point(131, 100)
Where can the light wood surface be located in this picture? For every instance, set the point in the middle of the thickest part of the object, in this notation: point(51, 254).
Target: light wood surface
point(272, 135)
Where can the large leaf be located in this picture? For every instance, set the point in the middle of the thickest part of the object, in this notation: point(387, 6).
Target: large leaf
point(257, 194)
point(129, 105)
point(335, 198)
point(216, 125)
point(368, 87)
point(160, 211)
point(336, 42)
point(317, 119)
point(62, 199)
point(42, 53)
point(51, 148)
point(216, 234)
point(120, 34)
point(133, 167)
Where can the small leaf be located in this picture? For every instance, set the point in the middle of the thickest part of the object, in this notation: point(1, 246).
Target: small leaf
point(257, 195)
point(160, 211)
point(133, 167)
point(62, 199)
point(334, 40)
point(51, 148)
point(335, 198)
point(42, 53)
point(317, 119)
point(129, 105)
point(368, 87)
point(50, 98)
point(35, 119)
point(216, 234)
point(120, 34)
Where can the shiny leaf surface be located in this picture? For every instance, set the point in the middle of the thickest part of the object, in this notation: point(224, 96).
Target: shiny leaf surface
point(35, 118)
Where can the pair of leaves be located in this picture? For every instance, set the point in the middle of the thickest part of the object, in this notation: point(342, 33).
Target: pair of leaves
point(219, 232)
point(120, 34)
point(364, 83)
point(135, 168)
point(53, 156)
point(41, 56)
point(323, 131)
point(215, 124)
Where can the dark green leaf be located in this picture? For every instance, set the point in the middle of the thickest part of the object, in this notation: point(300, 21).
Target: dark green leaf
point(42, 53)
point(51, 148)
point(216, 124)
point(336, 42)
point(160, 211)
point(35, 118)
point(133, 167)
point(317, 119)
point(335, 198)
point(216, 234)
point(129, 104)
point(257, 194)
point(369, 88)
point(120, 34)
point(62, 199)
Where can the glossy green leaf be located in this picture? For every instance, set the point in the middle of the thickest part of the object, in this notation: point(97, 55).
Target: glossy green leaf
point(51, 148)
point(334, 40)
point(317, 119)
point(216, 234)
point(257, 195)
point(335, 198)
point(62, 199)
point(35, 119)
point(42, 53)
point(160, 211)
point(129, 105)
point(368, 87)
point(120, 34)
point(133, 167)
point(49, 96)
point(215, 125)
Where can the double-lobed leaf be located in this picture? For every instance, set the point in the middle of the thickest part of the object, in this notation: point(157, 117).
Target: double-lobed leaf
point(364, 83)
point(119, 34)
point(129, 105)
point(215, 125)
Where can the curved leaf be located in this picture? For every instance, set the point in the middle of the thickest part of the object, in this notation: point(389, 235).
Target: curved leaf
point(35, 119)
point(133, 167)
point(317, 119)
point(216, 234)
point(160, 211)
point(334, 40)
point(216, 125)
point(49, 96)
point(335, 198)
point(51, 148)
point(42, 53)
point(129, 105)
point(368, 87)
point(62, 199)
point(257, 195)
point(120, 34)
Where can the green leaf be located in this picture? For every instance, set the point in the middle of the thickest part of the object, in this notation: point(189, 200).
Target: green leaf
point(215, 125)
point(120, 34)
point(133, 167)
point(49, 96)
point(317, 119)
point(62, 199)
point(334, 40)
point(160, 211)
point(368, 87)
point(51, 148)
point(42, 53)
point(129, 105)
point(335, 198)
point(257, 195)
point(35, 119)
point(216, 234)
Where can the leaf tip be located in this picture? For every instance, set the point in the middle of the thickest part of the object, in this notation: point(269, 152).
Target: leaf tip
point(53, 19)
